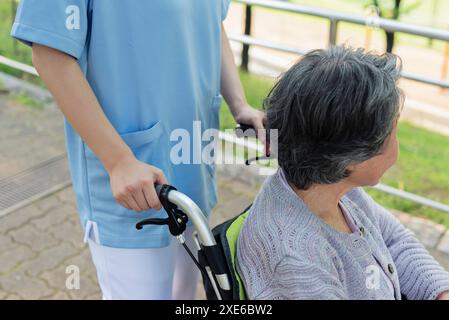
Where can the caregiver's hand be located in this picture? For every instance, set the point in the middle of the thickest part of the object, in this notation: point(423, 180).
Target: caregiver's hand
point(132, 184)
point(251, 116)
point(232, 91)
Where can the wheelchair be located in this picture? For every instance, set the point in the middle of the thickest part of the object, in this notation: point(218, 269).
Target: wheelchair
point(216, 248)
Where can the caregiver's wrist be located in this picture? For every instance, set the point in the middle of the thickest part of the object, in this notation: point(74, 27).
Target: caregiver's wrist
point(240, 110)
point(237, 106)
point(120, 159)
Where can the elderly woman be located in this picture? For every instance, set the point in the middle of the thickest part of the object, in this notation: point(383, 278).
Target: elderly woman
point(313, 233)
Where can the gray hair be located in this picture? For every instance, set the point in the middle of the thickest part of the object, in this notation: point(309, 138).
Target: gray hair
point(333, 108)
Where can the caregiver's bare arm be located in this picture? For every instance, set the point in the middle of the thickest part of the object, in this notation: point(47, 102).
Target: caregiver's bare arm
point(131, 180)
point(232, 90)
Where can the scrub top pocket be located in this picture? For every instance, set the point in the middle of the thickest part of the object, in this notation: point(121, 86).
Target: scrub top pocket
point(147, 147)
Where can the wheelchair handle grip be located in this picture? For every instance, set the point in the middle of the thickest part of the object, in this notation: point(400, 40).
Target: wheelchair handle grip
point(248, 130)
point(158, 188)
point(180, 208)
point(245, 127)
point(245, 130)
point(162, 191)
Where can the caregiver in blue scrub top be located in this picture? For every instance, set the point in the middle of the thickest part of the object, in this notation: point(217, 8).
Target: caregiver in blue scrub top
point(126, 75)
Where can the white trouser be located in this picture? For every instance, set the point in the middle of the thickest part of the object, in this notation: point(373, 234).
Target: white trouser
point(146, 274)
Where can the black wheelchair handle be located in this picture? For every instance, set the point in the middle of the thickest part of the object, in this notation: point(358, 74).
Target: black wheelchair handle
point(242, 129)
point(245, 127)
point(176, 220)
point(241, 132)
point(158, 188)
point(245, 130)
point(162, 191)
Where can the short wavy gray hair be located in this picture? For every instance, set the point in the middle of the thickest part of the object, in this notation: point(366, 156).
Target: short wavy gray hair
point(333, 108)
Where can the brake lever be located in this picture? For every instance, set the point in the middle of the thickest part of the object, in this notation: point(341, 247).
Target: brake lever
point(142, 223)
point(177, 219)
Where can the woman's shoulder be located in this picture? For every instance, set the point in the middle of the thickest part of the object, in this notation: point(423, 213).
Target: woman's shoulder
point(277, 223)
point(274, 230)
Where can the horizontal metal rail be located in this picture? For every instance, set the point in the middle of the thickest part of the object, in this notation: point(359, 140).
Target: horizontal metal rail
point(412, 197)
point(288, 49)
point(18, 65)
point(335, 17)
point(382, 23)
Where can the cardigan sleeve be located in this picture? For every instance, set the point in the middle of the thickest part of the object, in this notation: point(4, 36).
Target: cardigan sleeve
point(420, 275)
point(296, 279)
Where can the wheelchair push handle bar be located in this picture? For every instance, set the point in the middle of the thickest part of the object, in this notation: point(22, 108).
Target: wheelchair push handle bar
point(158, 188)
point(244, 127)
point(248, 131)
point(180, 209)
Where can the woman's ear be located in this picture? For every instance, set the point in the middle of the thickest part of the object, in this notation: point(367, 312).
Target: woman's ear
point(350, 168)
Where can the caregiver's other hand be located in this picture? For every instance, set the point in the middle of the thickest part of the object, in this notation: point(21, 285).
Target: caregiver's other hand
point(132, 183)
point(251, 116)
point(232, 91)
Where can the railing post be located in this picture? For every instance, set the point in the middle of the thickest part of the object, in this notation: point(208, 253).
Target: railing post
point(245, 49)
point(333, 26)
point(445, 65)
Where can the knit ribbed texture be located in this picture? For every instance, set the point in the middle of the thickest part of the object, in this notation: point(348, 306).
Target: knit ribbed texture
point(285, 251)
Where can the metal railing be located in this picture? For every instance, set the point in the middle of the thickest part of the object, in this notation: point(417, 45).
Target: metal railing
point(442, 35)
point(18, 65)
point(334, 18)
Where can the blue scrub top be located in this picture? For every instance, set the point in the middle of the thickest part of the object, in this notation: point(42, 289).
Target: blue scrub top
point(155, 67)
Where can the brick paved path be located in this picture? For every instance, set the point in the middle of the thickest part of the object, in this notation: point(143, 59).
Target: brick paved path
point(39, 241)
point(28, 136)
